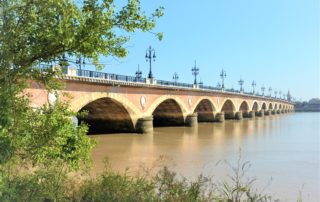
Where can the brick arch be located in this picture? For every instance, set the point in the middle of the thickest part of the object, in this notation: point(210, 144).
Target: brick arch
point(255, 106)
point(106, 115)
point(229, 109)
point(161, 99)
point(195, 105)
point(205, 109)
point(270, 106)
point(275, 106)
point(168, 113)
point(244, 106)
point(77, 103)
point(264, 106)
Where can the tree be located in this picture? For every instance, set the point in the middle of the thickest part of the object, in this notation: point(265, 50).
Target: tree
point(37, 31)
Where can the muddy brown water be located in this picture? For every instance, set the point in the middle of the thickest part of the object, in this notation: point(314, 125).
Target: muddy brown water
point(284, 148)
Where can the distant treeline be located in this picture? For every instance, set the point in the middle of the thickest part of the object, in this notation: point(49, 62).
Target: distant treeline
point(312, 105)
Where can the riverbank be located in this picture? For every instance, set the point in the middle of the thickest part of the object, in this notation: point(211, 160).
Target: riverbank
point(54, 184)
point(312, 105)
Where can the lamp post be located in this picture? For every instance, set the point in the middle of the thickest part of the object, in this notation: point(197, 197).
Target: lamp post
point(275, 93)
point(80, 61)
point(138, 74)
point(270, 91)
point(195, 72)
point(223, 75)
point(218, 85)
point(241, 84)
point(150, 55)
point(175, 78)
point(253, 86)
point(262, 89)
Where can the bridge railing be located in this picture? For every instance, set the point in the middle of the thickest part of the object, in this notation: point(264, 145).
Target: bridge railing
point(102, 75)
point(117, 77)
point(209, 88)
point(171, 83)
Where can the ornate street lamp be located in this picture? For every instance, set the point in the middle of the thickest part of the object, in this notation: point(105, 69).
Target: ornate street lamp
point(262, 89)
point(270, 91)
point(218, 85)
point(223, 75)
point(138, 74)
point(241, 84)
point(253, 86)
point(195, 72)
point(80, 61)
point(275, 93)
point(175, 77)
point(150, 55)
point(280, 94)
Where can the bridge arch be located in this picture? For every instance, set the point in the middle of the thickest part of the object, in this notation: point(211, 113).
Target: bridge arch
point(280, 106)
point(106, 115)
point(168, 113)
point(161, 99)
point(275, 106)
point(244, 108)
point(80, 101)
point(255, 106)
point(264, 106)
point(205, 109)
point(270, 106)
point(229, 109)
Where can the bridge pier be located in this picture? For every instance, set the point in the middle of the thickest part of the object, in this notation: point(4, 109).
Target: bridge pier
point(238, 115)
point(278, 111)
point(220, 117)
point(260, 113)
point(206, 117)
point(192, 120)
point(273, 112)
point(267, 112)
point(252, 114)
point(229, 115)
point(144, 125)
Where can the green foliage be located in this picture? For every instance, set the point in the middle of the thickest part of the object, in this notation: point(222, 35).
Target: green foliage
point(113, 186)
point(45, 185)
point(41, 31)
point(171, 188)
point(53, 184)
point(43, 135)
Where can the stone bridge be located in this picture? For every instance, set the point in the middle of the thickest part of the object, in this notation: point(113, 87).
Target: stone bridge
point(138, 106)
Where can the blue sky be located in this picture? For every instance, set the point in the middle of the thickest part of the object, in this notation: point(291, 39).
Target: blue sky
point(274, 42)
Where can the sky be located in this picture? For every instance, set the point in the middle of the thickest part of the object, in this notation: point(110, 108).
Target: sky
point(273, 42)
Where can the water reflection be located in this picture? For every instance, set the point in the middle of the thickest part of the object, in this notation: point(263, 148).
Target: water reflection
point(279, 146)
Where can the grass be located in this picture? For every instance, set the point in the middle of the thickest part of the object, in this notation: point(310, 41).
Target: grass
point(56, 184)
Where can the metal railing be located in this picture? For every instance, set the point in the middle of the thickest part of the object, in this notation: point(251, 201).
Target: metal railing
point(102, 75)
point(171, 83)
point(210, 88)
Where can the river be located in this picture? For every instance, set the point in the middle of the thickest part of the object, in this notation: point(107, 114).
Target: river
point(282, 147)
